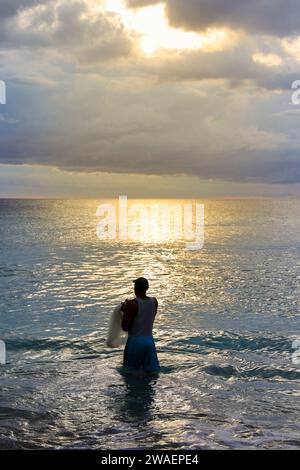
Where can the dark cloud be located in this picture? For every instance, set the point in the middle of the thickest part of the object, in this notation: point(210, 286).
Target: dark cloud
point(260, 166)
point(270, 17)
point(11, 7)
point(234, 64)
point(92, 126)
point(68, 27)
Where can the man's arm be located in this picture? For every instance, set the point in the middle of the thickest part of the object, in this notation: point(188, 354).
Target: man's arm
point(156, 305)
point(130, 310)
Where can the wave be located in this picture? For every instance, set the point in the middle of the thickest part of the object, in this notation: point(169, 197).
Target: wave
point(51, 344)
point(254, 372)
point(235, 342)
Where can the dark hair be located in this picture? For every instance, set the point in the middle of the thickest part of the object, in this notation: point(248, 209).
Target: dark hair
point(141, 284)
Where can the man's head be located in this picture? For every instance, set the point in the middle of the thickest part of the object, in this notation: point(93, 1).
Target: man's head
point(141, 285)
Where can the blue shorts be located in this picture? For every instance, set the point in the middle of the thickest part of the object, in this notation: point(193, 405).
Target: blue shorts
point(140, 353)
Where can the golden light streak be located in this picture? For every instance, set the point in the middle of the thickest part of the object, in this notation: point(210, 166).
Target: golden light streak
point(270, 60)
point(151, 25)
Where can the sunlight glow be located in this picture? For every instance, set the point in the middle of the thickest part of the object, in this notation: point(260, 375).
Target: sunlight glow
point(292, 47)
point(151, 24)
point(270, 60)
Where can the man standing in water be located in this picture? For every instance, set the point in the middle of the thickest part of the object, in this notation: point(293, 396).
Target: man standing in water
point(139, 315)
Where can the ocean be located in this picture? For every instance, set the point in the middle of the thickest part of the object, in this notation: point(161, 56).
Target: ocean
point(228, 317)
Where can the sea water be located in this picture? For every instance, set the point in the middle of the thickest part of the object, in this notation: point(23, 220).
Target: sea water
point(227, 322)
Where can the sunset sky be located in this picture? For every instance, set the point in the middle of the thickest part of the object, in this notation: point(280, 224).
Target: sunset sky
point(174, 98)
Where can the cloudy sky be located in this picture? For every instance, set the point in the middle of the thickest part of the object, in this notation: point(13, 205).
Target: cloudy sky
point(174, 98)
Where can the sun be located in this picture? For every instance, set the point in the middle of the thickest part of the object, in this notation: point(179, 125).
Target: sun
point(154, 32)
